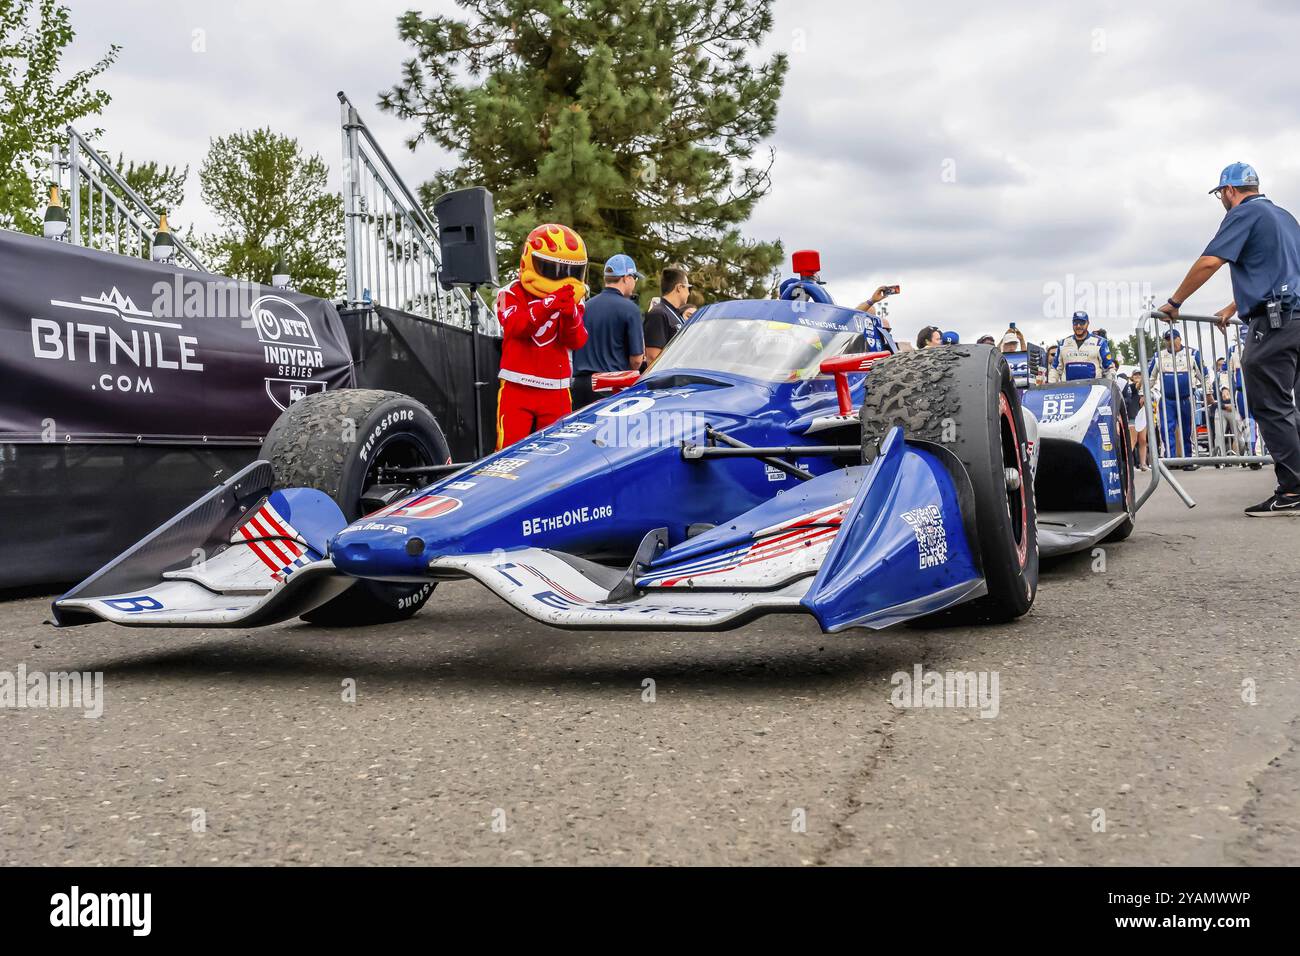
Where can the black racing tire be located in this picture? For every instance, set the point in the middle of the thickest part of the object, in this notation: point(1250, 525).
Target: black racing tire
point(333, 441)
point(1124, 450)
point(962, 397)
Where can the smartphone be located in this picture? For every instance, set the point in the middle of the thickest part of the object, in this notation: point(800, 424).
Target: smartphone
point(893, 289)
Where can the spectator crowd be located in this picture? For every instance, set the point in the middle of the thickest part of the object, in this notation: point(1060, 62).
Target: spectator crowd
point(1192, 407)
point(1195, 409)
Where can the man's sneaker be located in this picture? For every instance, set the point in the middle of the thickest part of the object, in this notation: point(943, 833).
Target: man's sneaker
point(1276, 505)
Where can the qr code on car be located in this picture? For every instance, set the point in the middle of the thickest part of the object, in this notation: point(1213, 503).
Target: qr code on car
point(931, 536)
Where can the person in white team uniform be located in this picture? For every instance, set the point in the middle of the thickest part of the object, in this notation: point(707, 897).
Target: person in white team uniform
point(1082, 355)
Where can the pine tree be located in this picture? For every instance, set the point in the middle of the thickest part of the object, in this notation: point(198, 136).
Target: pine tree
point(35, 104)
point(270, 200)
point(634, 121)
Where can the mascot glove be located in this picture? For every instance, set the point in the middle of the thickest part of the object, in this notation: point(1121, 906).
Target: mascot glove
point(561, 301)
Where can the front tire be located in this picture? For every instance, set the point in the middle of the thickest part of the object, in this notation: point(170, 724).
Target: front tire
point(962, 397)
point(336, 442)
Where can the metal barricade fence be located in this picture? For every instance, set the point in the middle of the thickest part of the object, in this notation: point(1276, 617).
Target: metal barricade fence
point(103, 211)
point(1189, 421)
point(391, 244)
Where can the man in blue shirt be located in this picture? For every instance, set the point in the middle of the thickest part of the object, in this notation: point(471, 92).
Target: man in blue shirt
point(615, 340)
point(1261, 242)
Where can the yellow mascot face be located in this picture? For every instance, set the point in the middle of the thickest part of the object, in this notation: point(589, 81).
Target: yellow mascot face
point(554, 256)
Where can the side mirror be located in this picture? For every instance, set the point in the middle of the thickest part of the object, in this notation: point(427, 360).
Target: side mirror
point(614, 382)
point(841, 365)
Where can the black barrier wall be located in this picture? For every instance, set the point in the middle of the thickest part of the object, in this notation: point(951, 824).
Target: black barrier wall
point(66, 510)
point(430, 362)
point(130, 388)
point(100, 347)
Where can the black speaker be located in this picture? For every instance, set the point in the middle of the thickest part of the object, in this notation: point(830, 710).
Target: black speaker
point(467, 237)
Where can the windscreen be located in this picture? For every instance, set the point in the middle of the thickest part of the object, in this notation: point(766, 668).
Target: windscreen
point(756, 348)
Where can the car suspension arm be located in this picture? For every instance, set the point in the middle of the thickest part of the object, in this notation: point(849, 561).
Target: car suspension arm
point(774, 456)
point(433, 470)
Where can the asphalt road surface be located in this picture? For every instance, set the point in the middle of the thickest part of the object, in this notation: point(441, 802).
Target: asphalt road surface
point(1148, 711)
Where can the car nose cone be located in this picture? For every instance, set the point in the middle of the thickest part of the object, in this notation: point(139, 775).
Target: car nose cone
point(379, 554)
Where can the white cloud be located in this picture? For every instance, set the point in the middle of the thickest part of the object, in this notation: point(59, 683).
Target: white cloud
point(1083, 137)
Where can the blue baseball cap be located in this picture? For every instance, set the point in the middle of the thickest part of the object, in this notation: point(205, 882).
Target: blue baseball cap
point(951, 338)
point(1079, 317)
point(1237, 174)
point(616, 267)
point(1173, 334)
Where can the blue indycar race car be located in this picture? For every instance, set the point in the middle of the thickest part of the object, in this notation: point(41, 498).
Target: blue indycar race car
point(781, 455)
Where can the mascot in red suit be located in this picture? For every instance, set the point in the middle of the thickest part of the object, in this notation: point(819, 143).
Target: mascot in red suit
point(541, 322)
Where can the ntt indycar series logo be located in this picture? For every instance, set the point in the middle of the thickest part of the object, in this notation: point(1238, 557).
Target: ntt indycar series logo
point(289, 347)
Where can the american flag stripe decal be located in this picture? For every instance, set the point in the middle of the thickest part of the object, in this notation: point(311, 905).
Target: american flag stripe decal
point(278, 548)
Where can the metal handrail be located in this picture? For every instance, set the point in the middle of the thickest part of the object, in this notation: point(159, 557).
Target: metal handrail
point(1160, 465)
point(401, 262)
point(79, 147)
point(362, 128)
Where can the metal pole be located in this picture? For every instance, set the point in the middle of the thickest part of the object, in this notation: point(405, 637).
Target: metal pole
point(74, 187)
point(1173, 483)
point(478, 386)
point(1252, 434)
point(374, 222)
point(351, 173)
point(1158, 468)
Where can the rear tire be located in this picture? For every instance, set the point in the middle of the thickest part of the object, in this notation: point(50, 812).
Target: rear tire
point(962, 397)
point(333, 441)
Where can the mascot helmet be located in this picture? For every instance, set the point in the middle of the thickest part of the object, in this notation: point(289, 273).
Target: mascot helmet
point(554, 256)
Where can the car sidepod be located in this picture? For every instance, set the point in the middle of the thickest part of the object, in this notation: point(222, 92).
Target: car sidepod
point(1082, 482)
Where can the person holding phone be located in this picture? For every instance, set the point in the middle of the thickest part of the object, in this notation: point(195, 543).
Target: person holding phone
point(881, 293)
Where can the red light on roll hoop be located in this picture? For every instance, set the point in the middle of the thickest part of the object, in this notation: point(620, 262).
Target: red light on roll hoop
point(807, 263)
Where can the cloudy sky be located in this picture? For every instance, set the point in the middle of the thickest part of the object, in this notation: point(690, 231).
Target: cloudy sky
point(1001, 161)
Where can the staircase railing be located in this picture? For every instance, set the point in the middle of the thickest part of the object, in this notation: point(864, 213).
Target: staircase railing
point(391, 243)
point(104, 212)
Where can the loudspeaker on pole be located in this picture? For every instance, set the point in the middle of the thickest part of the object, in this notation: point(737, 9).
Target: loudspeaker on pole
point(467, 237)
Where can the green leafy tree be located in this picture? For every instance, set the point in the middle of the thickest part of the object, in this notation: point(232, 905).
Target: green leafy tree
point(1129, 348)
point(269, 199)
point(634, 121)
point(161, 187)
point(36, 104)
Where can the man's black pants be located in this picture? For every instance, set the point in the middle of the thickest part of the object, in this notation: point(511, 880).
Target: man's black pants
point(1270, 363)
